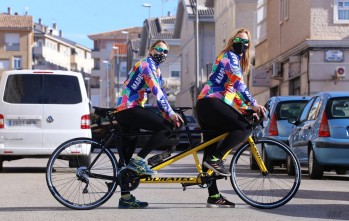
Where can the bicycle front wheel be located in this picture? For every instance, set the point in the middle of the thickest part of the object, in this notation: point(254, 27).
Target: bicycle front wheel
point(81, 174)
point(265, 191)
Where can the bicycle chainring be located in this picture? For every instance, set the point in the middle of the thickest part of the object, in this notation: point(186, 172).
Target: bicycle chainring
point(128, 179)
point(206, 180)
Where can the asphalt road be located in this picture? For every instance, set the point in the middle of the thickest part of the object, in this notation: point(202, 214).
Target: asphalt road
point(25, 196)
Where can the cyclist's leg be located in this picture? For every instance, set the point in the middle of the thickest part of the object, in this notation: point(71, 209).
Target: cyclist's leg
point(128, 146)
point(148, 120)
point(214, 199)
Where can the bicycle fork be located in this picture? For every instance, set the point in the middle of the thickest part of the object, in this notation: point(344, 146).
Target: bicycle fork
point(257, 156)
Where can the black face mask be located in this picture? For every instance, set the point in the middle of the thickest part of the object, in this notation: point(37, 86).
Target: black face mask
point(239, 48)
point(159, 58)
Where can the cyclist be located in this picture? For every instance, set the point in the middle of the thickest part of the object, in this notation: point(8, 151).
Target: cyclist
point(221, 105)
point(145, 77)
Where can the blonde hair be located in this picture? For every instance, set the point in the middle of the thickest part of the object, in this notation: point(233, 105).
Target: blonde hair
point(157, 42)
point(246, 57)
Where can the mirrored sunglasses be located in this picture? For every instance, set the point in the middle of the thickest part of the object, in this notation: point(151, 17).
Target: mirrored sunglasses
point(160, 50)
point(243, 40)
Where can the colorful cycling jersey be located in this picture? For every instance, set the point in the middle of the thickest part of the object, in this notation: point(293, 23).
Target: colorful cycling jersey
point(226, 83)
point(145, 77)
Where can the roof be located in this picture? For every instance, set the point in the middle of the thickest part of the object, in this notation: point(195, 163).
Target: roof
point(187, 8)
point(335, 93)
point(291, 98)
point(16, 22)
point(162, 28)
point(62, 39)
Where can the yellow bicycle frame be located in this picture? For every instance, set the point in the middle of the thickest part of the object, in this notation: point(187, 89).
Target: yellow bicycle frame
point(193, 151)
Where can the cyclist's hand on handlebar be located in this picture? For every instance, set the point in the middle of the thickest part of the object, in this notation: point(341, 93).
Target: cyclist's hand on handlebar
point(177, 119)
point(260, 110)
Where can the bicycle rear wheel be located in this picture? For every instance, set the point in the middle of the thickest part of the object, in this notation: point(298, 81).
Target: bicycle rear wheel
point(81, 175)
point(265, 191)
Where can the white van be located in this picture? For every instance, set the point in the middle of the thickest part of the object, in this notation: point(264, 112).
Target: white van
point(39, 110)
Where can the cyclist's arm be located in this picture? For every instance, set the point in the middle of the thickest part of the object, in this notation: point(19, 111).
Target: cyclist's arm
point(236, 77)
point(152, 82)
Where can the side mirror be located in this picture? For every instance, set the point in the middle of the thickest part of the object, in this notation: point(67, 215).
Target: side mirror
point(292, 120)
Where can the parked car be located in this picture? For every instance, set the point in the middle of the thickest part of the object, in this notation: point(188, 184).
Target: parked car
point(39, 110)
point(276, 126)
point(320, 138)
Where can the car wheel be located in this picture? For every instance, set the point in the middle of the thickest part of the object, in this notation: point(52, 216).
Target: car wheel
point(341, 172)
point(316, 171)
point(289, 167)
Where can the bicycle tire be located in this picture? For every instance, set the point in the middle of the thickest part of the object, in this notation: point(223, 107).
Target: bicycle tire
point(67, 174)
point(265, 191)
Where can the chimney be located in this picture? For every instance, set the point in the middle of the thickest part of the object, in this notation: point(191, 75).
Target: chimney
point(54, 25)
point(9, 10)
point(50, 31)
point(39, 21)
point(60, 33)
point(168, 13)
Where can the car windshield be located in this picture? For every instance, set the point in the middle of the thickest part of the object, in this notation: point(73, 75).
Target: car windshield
point(339, 108)
point(290, 109)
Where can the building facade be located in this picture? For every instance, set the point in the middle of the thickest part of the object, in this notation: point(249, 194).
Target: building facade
point(194, 71)
point(109, 62)
point(16, 40)
point(162, 28)
point(302, 49)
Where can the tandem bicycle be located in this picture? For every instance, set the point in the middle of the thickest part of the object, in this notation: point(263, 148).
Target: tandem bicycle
point(83, 173)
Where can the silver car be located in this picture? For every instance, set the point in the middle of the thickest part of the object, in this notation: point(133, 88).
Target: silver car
point(320, 138)
point(279, 108)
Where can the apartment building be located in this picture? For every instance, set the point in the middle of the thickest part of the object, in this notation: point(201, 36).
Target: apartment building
point(16, 40)
point(110, 58)
point(52, 51)
point(194, 72)
point(162, 28)
point(302, 49)
point(230, 16)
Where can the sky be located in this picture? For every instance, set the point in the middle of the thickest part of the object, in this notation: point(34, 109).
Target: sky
point(79, 18)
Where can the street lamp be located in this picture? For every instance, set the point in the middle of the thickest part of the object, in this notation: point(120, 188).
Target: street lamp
point(107, 62)
point(125, 33)
point(148, 6)
point(117, 69)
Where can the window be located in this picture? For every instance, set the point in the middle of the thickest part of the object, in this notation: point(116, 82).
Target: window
point(17, 63)
point(314, 111)
point(175, 74)
point(339, 107)
point(42, 89)
point(274, 91)
point(304, 114)
point(283, 10)
point(295, 86)
point(341, 12)
point(12, 41)
point(261, 20)
point(4, 64)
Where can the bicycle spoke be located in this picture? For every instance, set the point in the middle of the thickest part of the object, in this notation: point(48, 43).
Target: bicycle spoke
point(265, 190)
point(73, 184)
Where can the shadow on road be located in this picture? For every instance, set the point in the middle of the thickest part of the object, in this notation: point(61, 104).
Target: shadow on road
point(24, 170)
